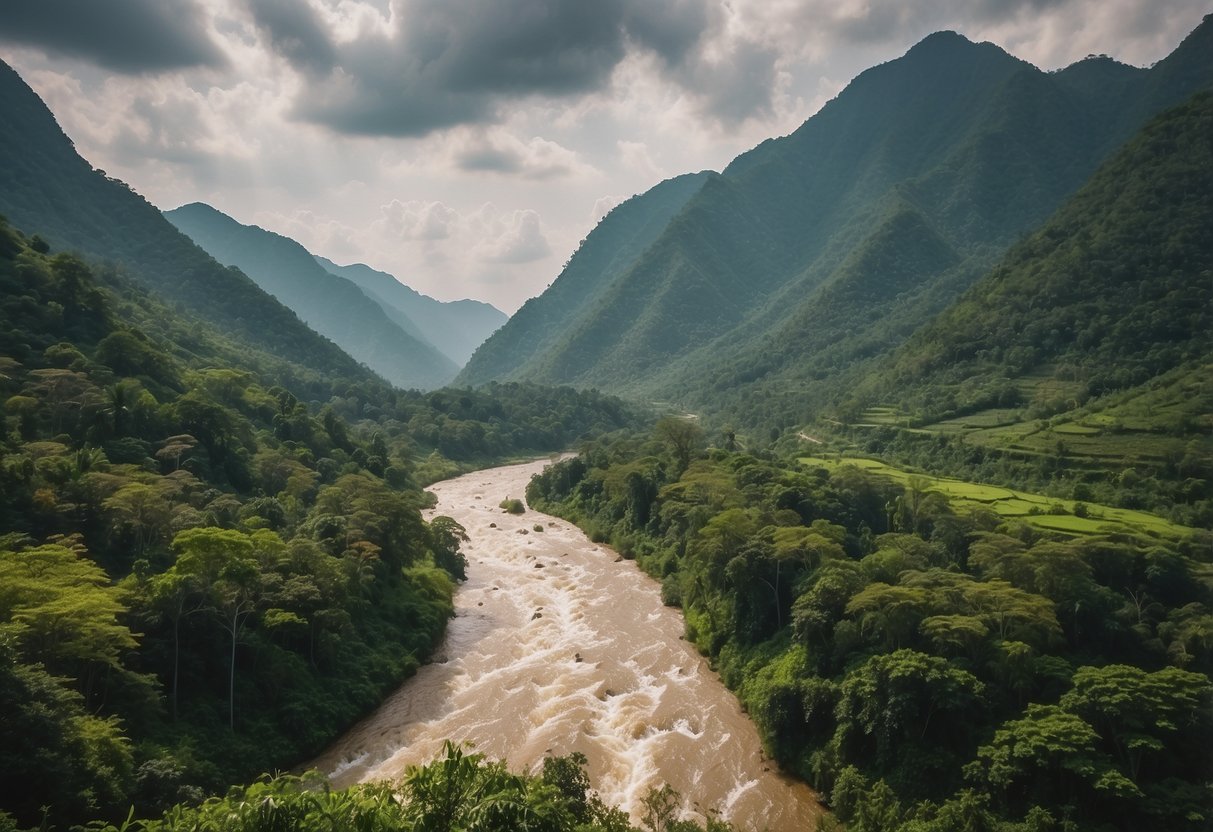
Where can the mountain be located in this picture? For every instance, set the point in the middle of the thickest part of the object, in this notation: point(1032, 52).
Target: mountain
point(333, 306)
point(1099, 322)
point(456, 328)
point(608, 252)
point(48, 189)
point(780, 280)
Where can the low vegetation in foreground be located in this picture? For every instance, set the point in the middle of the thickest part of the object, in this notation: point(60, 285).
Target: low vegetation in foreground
point(458, 791)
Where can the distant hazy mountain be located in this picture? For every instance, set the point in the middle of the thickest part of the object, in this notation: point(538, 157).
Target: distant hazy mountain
point(518, 348)
point(46, 188)
point(333, 306)
point(774, 283)
point(456, 328)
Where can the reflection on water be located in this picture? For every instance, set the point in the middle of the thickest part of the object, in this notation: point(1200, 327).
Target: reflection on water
point(559, 646)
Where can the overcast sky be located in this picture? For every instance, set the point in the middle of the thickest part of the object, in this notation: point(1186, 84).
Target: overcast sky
point(466, 146)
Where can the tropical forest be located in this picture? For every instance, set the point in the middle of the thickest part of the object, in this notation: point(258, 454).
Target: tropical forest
point(853, 474)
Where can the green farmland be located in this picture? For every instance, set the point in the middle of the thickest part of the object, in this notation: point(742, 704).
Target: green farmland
point(1066, 516)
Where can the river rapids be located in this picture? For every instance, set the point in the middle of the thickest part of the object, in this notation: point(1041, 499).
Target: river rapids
point(558, 645)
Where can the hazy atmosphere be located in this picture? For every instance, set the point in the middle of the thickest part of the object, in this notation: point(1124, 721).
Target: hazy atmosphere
point(466, 147)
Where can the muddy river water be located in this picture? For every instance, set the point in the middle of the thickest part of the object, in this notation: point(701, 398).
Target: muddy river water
point(559, 646)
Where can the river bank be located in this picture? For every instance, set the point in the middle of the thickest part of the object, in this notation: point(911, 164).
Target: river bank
point(558, 645)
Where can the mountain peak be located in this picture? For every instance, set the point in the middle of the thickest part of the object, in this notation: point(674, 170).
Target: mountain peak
point(949, 48)
point(943, 39)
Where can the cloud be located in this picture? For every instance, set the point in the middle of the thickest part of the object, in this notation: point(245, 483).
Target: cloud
point(636, 158)
point(296, 32)
point(486, 252)
point(603, 206)
point(514, 238)
point(415, 220)
point(443, 62)
point(671, 30)
point(126, 36)
point(497, 151)
point(435, 64)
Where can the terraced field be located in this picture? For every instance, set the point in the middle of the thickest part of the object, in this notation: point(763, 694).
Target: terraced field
point(1147, 427)
point(1066, 516)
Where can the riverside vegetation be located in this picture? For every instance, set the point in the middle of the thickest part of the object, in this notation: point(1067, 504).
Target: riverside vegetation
point(212, 556)
point(926, 666)
point(938, 654)
point(201, 576)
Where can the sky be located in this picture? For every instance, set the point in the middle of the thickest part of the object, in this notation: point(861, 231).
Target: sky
point(467, 146)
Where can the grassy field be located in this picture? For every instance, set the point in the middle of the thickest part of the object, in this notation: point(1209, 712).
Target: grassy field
point(1067, 516)
point(1146, 427)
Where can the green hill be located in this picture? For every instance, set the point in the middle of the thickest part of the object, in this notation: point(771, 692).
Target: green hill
point(48, 189)
point(609, 251)
point(781, 280)
point(333, 306)
point(1091, 339)
point(456, 328)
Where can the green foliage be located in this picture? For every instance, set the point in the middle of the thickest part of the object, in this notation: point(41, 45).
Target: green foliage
point(512, 505)
point(458, 791)
point(201, 576)
point(1081, 361)
point(928, 668)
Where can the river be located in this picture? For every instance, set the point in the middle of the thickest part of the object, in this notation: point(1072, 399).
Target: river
point(558, 645)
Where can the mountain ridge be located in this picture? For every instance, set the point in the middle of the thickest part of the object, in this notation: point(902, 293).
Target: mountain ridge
point(455, 328)
point(332, 305)
point(983, 145)
point(47, 188)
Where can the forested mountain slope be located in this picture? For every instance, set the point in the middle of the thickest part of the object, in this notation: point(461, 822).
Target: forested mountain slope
point(333, 306)
point(46, 188)
point(456, 327)
point(202, 577)
point(815, 252)
point(1116, 288)
point(1091, 340)
point(606, 253)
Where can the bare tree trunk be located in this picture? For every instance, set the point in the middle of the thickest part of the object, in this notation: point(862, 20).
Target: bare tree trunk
point(231, 679)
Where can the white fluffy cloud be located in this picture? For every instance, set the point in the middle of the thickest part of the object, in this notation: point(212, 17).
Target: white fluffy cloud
point(415, 220)
point(514, 238)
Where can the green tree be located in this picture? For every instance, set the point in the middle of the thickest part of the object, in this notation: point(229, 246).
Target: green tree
point(445, 537)
point(683, 436)
point(461, 791)
point(62, 610)
point(224, 562)
point(1143, 715)
point(1049, 757)
point(905, 707)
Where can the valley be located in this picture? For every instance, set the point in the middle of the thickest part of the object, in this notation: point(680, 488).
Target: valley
point(858, 480)
point(577, 653)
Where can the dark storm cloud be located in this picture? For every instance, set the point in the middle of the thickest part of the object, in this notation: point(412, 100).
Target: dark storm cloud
point(534, 46)
point(671, 30)
point(489, 159)
point(448, 62)
point(127, 36)
point(295, 33)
